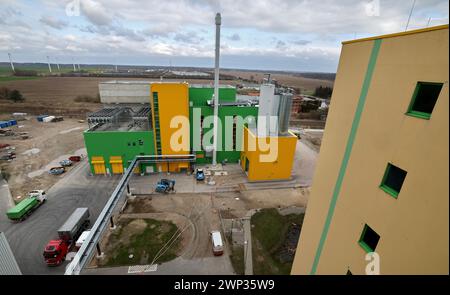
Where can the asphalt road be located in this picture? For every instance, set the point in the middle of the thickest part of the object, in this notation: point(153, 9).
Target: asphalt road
point(75, 189)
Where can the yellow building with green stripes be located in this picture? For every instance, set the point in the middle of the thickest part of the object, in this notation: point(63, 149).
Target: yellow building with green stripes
point(381, 182)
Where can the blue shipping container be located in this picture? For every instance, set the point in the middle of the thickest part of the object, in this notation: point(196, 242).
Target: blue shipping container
point(3, 124)
point(12, 122)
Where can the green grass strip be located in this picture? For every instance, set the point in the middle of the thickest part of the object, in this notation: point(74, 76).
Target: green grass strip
point(348, 151)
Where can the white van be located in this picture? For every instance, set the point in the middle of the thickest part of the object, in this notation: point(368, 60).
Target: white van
point(82, 238)
point(217, 243)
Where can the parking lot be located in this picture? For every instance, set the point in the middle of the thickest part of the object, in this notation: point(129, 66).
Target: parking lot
point(28, 238)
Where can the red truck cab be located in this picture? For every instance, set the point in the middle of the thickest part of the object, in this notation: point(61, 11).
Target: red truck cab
point(55, 252)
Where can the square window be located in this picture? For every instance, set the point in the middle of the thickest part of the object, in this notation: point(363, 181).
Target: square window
point(424, 98)
point(393, 180)
point(369, 239)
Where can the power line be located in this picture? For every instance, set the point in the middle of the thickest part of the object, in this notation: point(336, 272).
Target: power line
point(410, 13)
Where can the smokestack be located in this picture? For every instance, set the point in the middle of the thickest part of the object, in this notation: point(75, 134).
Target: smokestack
point(10, 61)
point(49, 66)
point(216, 86)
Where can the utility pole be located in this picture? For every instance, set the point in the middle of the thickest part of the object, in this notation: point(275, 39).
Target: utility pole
point(11, 62)
point(49, 66)
point(216, 88)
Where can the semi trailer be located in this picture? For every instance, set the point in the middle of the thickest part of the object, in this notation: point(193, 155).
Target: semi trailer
point(56, 250)
point(24, 209)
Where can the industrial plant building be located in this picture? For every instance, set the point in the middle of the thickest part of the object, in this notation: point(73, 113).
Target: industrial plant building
point(381, 183)
point(138, 117)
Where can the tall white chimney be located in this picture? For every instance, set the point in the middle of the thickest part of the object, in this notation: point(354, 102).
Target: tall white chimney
point(216, 88)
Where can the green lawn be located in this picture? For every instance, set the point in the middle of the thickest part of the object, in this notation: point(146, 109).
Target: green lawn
point(237, 259)
point(144, 246)
point(269, 230)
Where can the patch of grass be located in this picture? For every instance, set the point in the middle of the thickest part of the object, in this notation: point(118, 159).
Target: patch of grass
point(144, 246)
point(268, 235)
point(16, 78)
point(237, 259)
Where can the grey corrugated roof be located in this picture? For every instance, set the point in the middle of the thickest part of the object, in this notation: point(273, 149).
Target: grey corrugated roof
point(8, 264)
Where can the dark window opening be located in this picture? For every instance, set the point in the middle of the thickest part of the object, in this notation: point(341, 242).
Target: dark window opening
point(369, 239)
point(424, 98)
point(141, 142)
point(134, 144)
point(393, 180)
point(201, 132)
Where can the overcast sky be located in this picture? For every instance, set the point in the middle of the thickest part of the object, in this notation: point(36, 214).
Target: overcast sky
point(292, 35)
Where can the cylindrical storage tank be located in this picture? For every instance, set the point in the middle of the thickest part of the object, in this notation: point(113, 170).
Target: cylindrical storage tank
point(284, 113)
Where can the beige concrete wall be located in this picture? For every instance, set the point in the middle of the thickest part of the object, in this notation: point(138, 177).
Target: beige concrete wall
point(414, 227)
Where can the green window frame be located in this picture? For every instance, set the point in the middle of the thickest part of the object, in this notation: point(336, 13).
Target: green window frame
point(362, 241)
point(385, 187)
point(420, 114)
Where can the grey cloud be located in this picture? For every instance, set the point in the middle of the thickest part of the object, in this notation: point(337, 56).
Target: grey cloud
point(53, 22)
point(301, 42)
point(234, 37)
point(113, 30)
point(96, 12)
point(189, 37)
point(280, 44)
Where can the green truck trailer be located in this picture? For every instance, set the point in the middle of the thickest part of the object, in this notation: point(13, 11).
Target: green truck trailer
point(24, 209)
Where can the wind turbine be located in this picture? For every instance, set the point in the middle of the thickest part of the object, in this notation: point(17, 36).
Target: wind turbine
point(49, 66)
point(73, 62)
point(11, 62)
point(57, 63)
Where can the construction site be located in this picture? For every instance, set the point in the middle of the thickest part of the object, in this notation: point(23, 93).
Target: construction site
point(196, 173)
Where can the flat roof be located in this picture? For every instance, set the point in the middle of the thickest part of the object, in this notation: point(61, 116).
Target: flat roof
point(441, 27)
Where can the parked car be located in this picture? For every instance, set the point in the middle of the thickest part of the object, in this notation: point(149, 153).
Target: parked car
point(65, 163)
point(200, 175)
point(75, 158)
point(57, 170)
point(8, 156)
point(216, 239)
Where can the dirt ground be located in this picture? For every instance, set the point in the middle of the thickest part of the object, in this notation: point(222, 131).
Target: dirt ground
point(48, 144)
point(56, 94)
point(204, 212)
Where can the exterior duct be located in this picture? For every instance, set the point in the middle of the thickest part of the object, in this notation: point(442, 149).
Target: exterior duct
point(284, 113)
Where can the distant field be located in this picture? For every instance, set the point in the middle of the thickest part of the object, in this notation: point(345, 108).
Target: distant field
point(14, 78)
point(307, 85)
point(5, 70)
